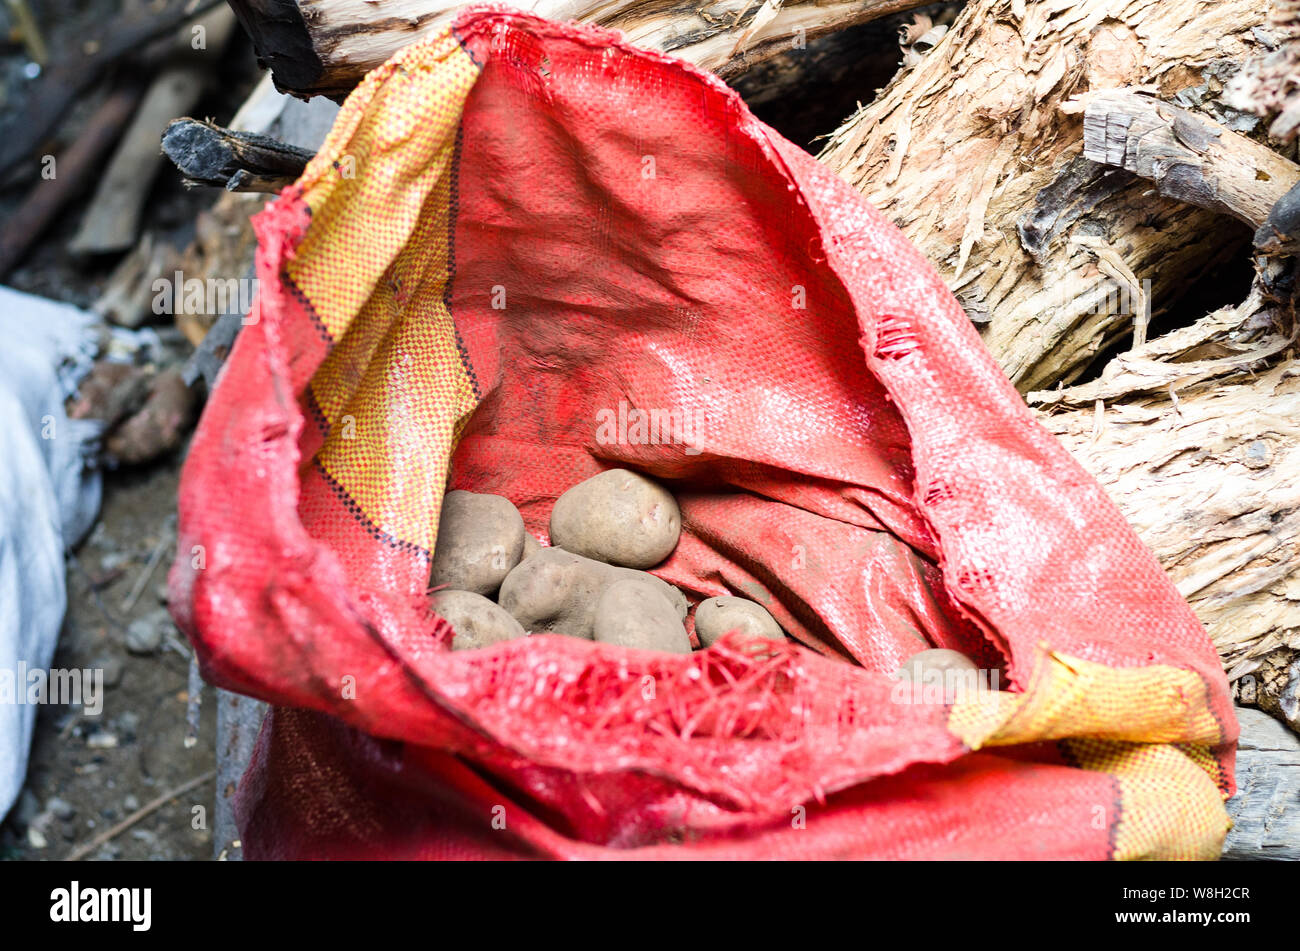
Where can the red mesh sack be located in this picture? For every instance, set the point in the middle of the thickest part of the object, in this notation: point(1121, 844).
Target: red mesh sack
point(519, 237)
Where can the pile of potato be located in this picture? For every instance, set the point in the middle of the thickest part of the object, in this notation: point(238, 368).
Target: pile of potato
point(605, 531)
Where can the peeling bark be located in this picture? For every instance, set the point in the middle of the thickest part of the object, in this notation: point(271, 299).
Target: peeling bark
point(977, 154)
point(1190, 158)
point(1203, 458)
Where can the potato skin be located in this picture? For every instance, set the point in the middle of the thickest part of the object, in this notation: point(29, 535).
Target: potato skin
point(531, 546)
point(556, 590)
point(716, 616)
point(631, 613)
point(936, 659)
point(480, 538)
point(618, 517)
point(477, 621)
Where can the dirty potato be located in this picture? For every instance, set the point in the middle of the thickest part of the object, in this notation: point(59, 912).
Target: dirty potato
point(618, 517)
point(531, 546)
point(936, 660)
point(477, 621)
point(556, 590)
point(716, 616)
point(480, 538)
point(631, 613)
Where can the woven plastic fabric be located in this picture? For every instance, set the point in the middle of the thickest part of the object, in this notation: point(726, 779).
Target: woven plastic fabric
point(519, 236)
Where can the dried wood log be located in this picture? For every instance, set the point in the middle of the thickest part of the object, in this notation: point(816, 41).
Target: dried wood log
point(1190, 158)
point(1041, 236)
point(1221, 512)
point(112, 220)
point(1209, 477)
point(1269, 83)
point(67, 79)
point(207, 154)
point(224, 242)
point(324, 47)
point(74, 170)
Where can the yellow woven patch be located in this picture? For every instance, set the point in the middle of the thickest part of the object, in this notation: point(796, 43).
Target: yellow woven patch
point(394, 390)
point(1169, 807)
point(1066, 697)
point(1123, 722)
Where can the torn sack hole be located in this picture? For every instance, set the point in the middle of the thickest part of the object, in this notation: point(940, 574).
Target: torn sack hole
point(939, 492)
point(973, 579)
point(895, 338)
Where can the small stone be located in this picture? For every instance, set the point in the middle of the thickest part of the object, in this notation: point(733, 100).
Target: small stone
point(27, 808)
point(101, 740)
point(112, 667)
point(128, 725)
point(130, 804)
point(36, 838)
point(61, 808)
point(112, 561)
point(143, 636)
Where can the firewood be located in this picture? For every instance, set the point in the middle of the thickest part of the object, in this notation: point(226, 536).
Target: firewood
point(207, 154)
point(1266, 85)
point(977, 154)
point(1189, 157)
point(1194, 437)
point(321, 47)
point(74, 170)
point(112, 220)
point(72, 75)
point(1266, 823)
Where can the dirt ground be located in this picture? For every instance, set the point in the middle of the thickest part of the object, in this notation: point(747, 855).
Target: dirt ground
point(88, 774)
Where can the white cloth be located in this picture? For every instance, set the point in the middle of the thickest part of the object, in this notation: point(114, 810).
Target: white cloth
point(49, 498)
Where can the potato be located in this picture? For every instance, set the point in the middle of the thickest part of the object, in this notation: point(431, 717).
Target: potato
point(631, 613)
point(478, 622)
point(556, 590)
point(716, 616)
point(480, 538)
point(940, 675)
point(618, 517)
point(531, 546)
point(935, 660)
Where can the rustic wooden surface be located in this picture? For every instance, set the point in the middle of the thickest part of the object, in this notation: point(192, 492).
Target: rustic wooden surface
point(1266, 809)
point(1210, 481)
